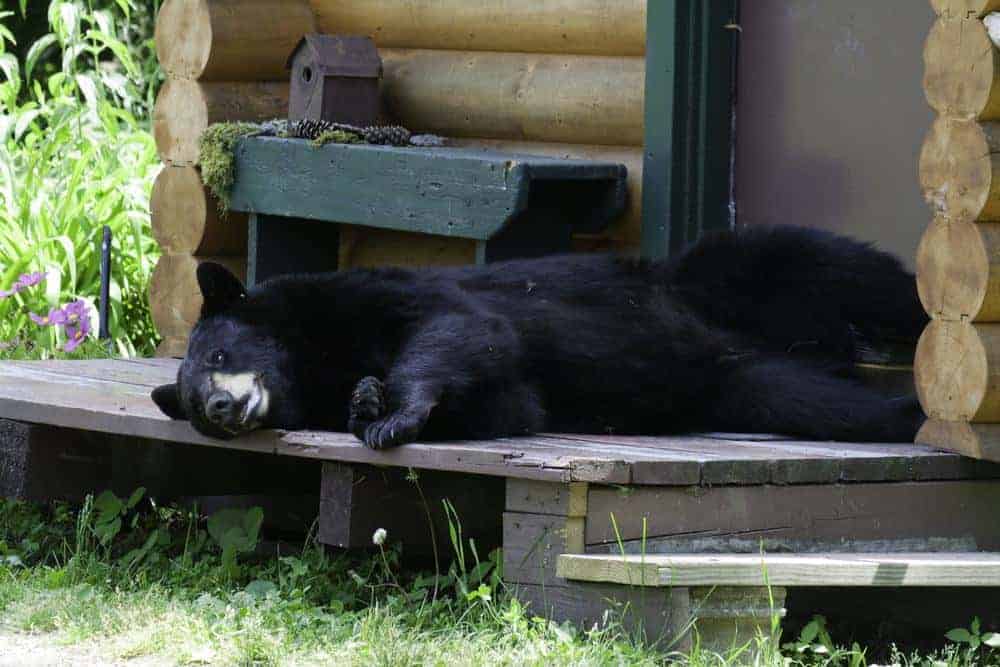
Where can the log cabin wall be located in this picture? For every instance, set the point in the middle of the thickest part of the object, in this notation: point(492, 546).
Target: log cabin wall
point(957, 367)
point(550, 77)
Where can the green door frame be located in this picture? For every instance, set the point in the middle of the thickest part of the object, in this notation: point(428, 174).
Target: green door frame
point(689, 122)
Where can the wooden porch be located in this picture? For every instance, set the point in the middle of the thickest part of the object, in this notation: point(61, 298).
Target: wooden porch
point(75, 427)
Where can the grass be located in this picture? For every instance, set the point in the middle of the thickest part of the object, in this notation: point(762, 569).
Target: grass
point(132, 579)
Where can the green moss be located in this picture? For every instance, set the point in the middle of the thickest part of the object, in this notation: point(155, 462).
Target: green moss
point(215, 155)
point(337, 137)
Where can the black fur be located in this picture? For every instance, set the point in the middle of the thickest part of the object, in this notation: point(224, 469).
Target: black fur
point(751, 331)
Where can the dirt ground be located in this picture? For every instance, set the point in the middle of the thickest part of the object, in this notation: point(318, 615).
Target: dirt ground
point(40, 650)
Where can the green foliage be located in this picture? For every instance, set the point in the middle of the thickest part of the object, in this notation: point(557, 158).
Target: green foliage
point(976, 644)
point(337, 137)
point(75, 155)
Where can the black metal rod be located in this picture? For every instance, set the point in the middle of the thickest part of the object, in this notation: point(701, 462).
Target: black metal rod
point(102, 306)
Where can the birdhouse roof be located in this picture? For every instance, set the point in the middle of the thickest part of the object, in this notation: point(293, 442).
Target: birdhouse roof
point(339, 55)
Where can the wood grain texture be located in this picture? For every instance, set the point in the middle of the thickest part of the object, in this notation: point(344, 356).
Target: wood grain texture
point(546, 498)
point(184, 109)
point(960, 170)
point(979, 441)
point(532, 26)
point(958, 271)
point(961, 65)
point(968, 569)
point(964, 9)
point(174, 295)
point(230, 40)
point(533, 542)
point(112, 396)
point(957, 371)
point(828, 513)
point(186, 220)
point(572, 99)
point(450, 192)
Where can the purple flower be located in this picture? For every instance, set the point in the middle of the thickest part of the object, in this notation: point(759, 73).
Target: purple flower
point(55, 316)
point(24, 281)
point(77, 325)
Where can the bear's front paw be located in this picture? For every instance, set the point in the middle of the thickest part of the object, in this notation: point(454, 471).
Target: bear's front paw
point(396, 429)
point(367, 406)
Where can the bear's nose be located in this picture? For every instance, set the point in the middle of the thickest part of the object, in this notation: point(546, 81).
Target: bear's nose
point(219, 406)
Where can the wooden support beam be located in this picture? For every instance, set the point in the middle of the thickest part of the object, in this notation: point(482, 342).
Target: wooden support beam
point(957, 371)
point(230, 40)
point(186, 219)
point(958, 271)
point(960, 170)
point(185, 109)
point(962, 70)
point(594, 27)
point(357, 500)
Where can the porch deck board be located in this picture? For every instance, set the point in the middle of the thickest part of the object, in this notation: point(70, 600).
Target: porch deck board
point(113, 396)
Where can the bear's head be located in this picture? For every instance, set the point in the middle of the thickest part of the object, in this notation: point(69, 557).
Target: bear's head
point(236, 374)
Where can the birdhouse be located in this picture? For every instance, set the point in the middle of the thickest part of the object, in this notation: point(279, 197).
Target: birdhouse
point(335, 78)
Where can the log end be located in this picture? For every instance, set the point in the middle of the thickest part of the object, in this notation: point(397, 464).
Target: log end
point(953, 271)
point(184, 38)
point(179, 118)
point(960, 68)
point(951, 372)
point(956, 171)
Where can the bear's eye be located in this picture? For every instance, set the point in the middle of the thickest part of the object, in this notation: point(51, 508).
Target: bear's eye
point(217, 358)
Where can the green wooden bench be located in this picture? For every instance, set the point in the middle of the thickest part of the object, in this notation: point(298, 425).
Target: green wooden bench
point(511, 205)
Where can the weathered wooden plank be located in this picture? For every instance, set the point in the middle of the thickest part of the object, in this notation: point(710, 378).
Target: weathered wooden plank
point(532, 542)
point(112, 396)
point(830, 512)
point(738, 544)
point(921, 569)
point(444, 191)
point(546, 497)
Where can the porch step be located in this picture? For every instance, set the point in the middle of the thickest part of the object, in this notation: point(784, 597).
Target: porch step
point(785, 570)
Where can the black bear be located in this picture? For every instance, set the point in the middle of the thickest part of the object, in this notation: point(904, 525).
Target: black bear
point(754, 330)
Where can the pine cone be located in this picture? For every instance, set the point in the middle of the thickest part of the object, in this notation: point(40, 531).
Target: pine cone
point(308, 128)
point(386, 135)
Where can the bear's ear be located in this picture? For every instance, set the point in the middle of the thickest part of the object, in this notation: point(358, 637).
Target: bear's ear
point(168, 399)
point(219, 288)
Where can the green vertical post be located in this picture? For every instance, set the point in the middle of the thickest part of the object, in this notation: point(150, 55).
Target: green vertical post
point(690, 69)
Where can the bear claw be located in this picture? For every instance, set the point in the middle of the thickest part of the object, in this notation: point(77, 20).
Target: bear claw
point(396, 429)
point(367, 406)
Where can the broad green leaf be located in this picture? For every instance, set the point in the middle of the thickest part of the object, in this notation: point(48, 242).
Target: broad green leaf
point(992, 639)
point(959, 636)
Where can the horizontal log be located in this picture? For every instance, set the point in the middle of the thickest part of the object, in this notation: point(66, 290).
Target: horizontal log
point(962, 70)
point(964, 9)
point(960, 170)
point(230, 40)
point(595, 27)
point(957, 371)
point(184, 109)
point(958, 271)
point(572, 99)
point(370, 247)
point(186, 220)
point(174, 297)
point(979, 441)
point(625, 234)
